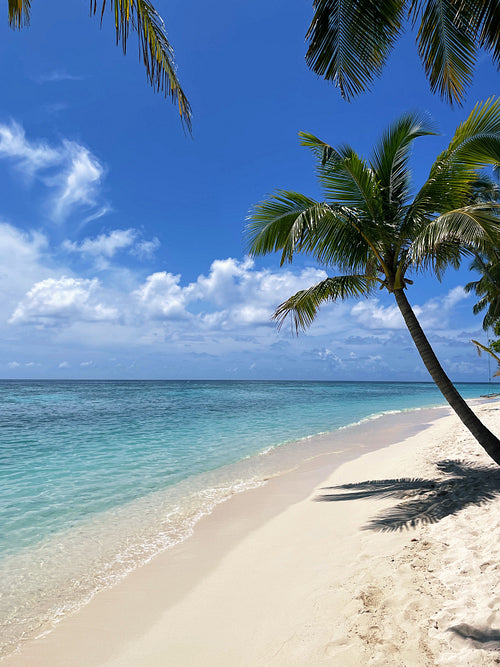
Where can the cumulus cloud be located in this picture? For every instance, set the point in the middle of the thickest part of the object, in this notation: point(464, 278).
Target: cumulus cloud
point(223, 314)
point(161, 296)
point(433, 313)
point(107, 245)
point(53, 300)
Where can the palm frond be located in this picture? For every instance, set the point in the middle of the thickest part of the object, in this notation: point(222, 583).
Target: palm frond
point(155, 50)
point(390, 157)
point(475, 144)
point(19, 13)
point(482, 348)
point(349, 40)
point(446, 45)
point(486, 24)
point(303, 306)
point(472, 227)
point(280, 223)
point(290, 222)
point(343, 175)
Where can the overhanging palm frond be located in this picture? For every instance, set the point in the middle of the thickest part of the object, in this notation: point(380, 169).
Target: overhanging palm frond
point(446, 46)
point(19, 13)
point(349, 40)
point(155, 50)
point(303, 306)
point(486, 25)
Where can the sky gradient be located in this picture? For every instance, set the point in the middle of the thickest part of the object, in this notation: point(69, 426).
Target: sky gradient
point(121, 244)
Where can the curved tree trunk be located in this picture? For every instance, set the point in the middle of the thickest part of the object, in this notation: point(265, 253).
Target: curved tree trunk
point(485, 438)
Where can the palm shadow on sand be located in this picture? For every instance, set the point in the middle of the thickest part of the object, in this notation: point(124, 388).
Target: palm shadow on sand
point(423, 501)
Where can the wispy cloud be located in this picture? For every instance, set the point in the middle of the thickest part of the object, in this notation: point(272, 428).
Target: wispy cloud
point(56, 76)
point(29, 156)
point(79, 181)
point(69, 170)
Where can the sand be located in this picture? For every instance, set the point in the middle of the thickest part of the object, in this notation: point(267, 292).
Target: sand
point(388, 560)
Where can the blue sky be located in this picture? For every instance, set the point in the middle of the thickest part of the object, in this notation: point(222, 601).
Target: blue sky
point(121, 237)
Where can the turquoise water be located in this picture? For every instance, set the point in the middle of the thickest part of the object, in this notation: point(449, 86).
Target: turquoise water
point(97, 477)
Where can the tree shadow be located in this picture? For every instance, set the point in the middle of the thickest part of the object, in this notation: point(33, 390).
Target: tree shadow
point(486, 638)
point(424, 501)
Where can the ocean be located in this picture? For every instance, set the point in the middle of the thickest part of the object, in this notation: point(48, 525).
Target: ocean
point(99, 476)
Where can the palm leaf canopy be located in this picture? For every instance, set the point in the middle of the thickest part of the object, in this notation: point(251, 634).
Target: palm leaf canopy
point(370, 225)
point(350, 40)
point(155, 50)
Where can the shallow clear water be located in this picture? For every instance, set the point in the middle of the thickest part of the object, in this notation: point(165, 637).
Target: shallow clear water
point(97, 477)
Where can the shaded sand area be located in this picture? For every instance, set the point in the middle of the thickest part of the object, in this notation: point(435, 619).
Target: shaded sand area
point(391, 559)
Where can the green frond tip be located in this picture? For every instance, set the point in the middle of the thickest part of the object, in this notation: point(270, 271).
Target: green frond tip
point(155, 50)
point(303, 306)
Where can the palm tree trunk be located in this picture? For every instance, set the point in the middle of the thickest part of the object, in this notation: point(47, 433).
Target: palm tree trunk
point(485, 438)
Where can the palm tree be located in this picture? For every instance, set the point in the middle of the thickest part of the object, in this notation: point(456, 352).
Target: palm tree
point(487, 287)
point(154, 48)
point(350, 40)
point(487, 264)
point(378, 234)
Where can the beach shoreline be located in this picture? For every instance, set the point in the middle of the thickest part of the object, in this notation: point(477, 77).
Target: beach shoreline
point(240, 590)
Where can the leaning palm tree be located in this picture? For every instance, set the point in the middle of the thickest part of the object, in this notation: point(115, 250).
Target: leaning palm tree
point(154, 48)
point(378, 234)
point(350, 40)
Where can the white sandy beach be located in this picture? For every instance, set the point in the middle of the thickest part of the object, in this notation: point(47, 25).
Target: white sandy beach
point(277, 576)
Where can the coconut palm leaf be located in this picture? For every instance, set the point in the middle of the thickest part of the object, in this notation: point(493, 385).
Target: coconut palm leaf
point(349, 41)
point(446, 46)
point(303, 306)
point(476, 226)
point(482, 348)
point(155, 50)
point(19, 13)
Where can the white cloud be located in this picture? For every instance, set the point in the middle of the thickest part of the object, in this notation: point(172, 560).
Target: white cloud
point(13, 364)
point(433, 313)
point(79, 181)
point(146, 249)
point(29, 156)
point(54, 300)
point(64, 364)
point(222, 317)
point(161, 296)
point(69, 169)
point(55, 76)
point(372, 315)
point(105, 245)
